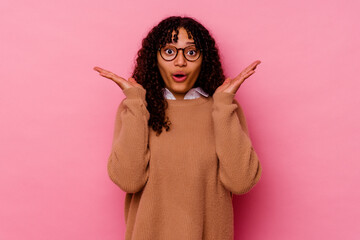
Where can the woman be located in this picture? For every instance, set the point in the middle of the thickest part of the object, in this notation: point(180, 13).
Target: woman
point(179, 182)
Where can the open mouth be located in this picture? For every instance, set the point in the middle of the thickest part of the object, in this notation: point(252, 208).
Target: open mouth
point(179, 77)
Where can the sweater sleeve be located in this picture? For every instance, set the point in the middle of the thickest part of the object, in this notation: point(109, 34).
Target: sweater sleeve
point(239, 166)
point(129, 158)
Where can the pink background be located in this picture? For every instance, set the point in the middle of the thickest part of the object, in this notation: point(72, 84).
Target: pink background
point(57, 114)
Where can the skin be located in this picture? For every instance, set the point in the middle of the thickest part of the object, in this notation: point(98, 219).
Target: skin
point(230, 85)
point(121, 82)
point(167, 68)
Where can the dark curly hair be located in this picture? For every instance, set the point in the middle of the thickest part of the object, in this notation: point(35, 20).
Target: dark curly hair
point(147, 74)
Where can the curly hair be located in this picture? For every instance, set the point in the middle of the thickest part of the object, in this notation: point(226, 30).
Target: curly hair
point(146, 70)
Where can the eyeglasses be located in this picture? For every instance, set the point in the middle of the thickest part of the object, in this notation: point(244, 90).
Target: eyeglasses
point(169, 53)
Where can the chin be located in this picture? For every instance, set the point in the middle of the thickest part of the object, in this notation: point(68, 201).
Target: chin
point(181, 90)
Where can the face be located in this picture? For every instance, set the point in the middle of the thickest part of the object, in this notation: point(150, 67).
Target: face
point(169, 70)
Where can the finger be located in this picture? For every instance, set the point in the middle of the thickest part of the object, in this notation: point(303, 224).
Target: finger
point(97, 69)
point(111, 75)
point(250, 67)
point(258, 62)
point(104, 72)
point(101, 70)
point(121, 82)
point(242, 79)
point(253, 65)
point(226, 82)
point(247, 75)
point(108, 74)
point(244, 73)
point(240, 76)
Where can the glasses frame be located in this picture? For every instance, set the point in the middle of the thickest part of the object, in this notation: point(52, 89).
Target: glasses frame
point(177, 51)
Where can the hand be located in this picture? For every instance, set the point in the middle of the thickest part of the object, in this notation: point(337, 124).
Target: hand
point(232, 85)
point(121, 82)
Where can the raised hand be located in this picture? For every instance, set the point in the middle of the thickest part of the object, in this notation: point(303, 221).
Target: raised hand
point(232, 85)
point(121, 82)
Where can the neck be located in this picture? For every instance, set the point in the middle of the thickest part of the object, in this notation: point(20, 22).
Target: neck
point(178, 96)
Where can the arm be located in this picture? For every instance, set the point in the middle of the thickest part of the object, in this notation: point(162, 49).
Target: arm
point(128, 162)
point(239, 166)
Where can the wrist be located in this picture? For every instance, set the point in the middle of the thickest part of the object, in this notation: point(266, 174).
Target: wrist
point(224, 97)
point(134, 92)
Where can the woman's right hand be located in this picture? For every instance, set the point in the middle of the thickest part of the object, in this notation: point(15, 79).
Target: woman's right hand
point(121, 82)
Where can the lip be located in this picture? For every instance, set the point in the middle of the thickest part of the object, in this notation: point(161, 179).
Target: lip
point(179, 79)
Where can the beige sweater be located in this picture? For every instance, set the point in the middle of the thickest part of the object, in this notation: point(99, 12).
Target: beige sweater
point(179, 184)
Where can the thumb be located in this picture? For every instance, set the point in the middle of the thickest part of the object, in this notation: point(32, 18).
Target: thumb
point(132, 80)
point(227, 80)
point(134, 83)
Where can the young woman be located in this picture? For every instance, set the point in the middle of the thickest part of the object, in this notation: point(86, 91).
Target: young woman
point(179, 182)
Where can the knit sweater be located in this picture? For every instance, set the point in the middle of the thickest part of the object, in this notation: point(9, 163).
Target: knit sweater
point(179, 184)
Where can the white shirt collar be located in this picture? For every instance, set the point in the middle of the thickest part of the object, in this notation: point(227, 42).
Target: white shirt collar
point(191, 94)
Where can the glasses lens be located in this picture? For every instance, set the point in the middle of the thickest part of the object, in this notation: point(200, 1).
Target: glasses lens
point(191, 53)
point(168, 52)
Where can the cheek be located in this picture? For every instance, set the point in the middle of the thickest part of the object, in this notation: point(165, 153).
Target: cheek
point(198, 68)
point(162, 70)
point(199, 64)
point(161, 65)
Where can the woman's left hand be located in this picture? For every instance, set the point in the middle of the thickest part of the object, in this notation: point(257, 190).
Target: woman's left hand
point(232, 85)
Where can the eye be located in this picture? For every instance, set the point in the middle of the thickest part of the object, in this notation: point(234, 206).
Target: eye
point(192, 52)
point(169, 51)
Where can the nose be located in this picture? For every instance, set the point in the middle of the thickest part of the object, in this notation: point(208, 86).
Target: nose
point(180, 59)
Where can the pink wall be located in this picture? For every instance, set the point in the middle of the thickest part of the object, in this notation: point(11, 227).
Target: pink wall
point(57, 114)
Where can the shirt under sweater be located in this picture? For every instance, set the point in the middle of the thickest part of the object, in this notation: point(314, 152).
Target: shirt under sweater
point(179, 184)
point(191, 94)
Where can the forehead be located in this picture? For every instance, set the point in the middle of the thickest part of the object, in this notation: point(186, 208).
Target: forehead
point(182, 34)
point(184, 31)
